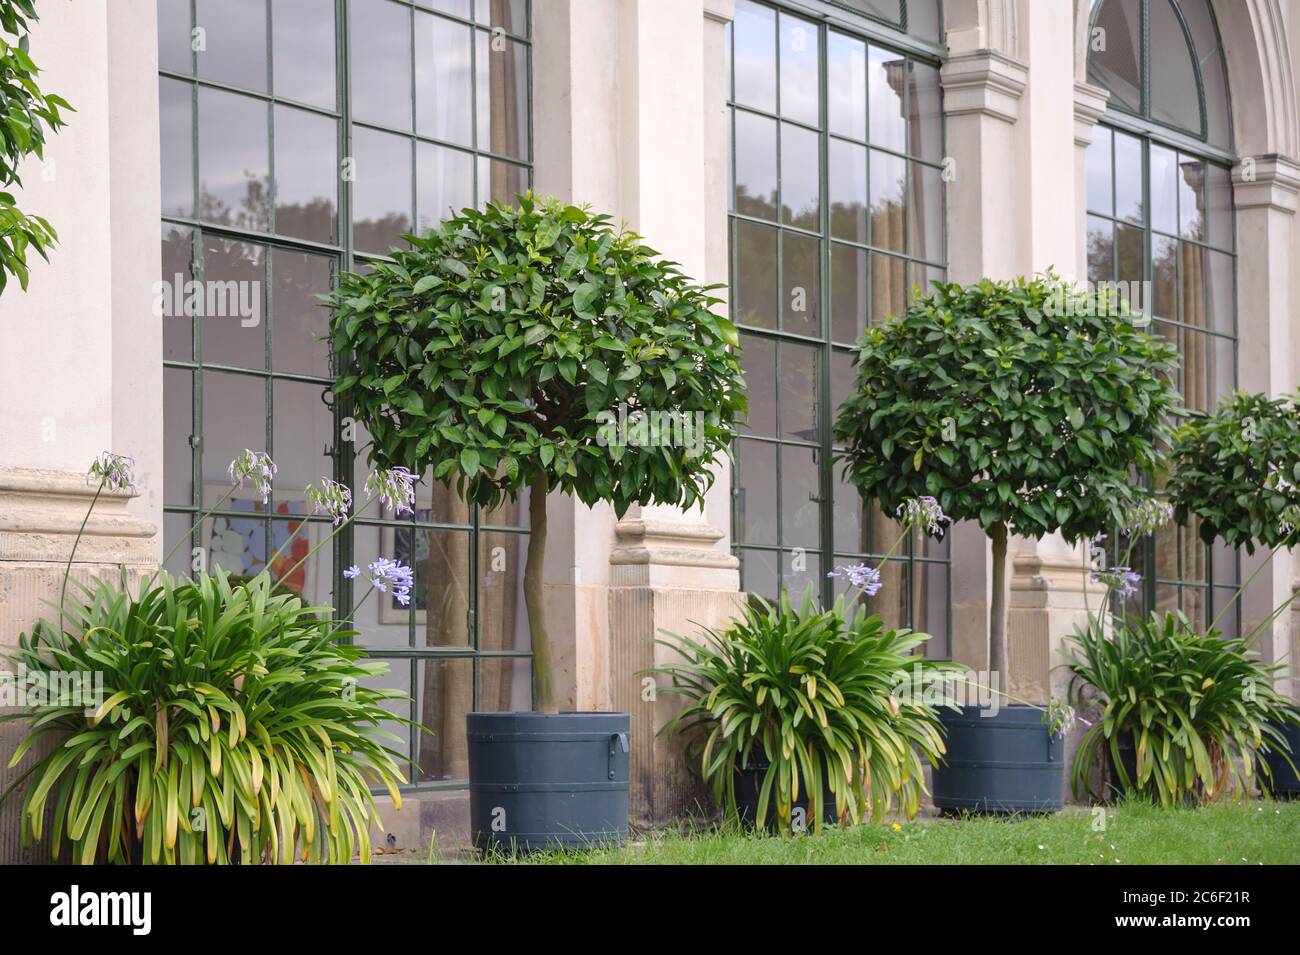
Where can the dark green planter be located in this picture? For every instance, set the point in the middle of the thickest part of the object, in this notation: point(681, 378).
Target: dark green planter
point(749, 783)
point(1285, 783)
point(548, 781)
point(1003, 763)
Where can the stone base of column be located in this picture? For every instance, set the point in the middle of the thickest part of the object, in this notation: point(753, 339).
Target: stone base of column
point(666, 575)
point(40, 513)
point(1050, 596)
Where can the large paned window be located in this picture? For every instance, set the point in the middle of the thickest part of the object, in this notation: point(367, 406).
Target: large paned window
point(1160, 211)
point(837, 217)
point(301, 138)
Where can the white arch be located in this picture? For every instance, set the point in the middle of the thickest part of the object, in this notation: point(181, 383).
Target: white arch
point(1261, 78)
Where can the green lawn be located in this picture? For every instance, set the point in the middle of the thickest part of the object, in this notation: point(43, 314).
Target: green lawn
point(1261, 832)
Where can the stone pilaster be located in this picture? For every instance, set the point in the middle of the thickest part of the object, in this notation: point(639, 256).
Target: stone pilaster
point(665, 575)
point(41, 511)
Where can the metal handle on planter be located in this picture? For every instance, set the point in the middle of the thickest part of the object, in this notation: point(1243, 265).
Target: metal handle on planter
point(615, 741)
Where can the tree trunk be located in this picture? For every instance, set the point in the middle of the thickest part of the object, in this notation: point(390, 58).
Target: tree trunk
point(998, 609)
point(535, 600)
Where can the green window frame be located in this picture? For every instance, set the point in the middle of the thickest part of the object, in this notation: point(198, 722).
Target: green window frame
point(1160, 211)
point(814, 256)
point(473, 151)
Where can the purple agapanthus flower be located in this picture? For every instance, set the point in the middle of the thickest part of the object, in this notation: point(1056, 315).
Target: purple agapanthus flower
point(395, 488)
point(352, 573)
point(866, 579)
point(385, 573)
point(1121, 579)
point(923, 512)
point(331, 498)
point(257, 467)
point(116, 472)
point(1147, 516)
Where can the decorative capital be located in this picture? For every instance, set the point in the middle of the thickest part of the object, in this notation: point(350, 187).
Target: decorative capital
point(1089, 106)
point(1270, 181)
point(657, 552)
point(983, 82)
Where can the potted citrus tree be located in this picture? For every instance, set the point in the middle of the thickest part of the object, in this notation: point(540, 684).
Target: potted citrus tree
point(1026, 406)
point(506, 350)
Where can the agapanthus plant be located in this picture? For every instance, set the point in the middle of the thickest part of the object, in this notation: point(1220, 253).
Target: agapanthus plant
point(386, 574)
point(257, 468)
point(395, 488)
point(332, 499)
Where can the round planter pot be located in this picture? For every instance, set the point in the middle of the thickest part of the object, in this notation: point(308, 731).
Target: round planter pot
point(1285, 782)
point(547, 780)
point(1001, 763)
point(749, 783)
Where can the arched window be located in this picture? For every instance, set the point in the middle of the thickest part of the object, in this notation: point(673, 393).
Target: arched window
point(1159, 199)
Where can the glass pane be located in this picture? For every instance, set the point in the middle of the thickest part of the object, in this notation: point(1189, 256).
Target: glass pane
point(1117, 66)
point(378, 625)
point(176, 526)
point(306, 180)
point(800, 510)
point(801, 284)
point(502, 96)
point(888, 10)
point(754, 288)
point(445, 183)
point(233, 42)
point(1128, 176)
point(446, 696)
point(891, 601)
point(1225, 612)
point(800, 391)
point(888, 178)
point(1101, 250)
point(176, 314)
point(234, 418)
point(930, 607)
point(754, 42)
point(1164, 277)
point(848, 293)
point(1128, 241)
point(301, 323)
point(381, 191)
point(755, 174)
point(923, 19)
point(758, 574)
point(502, 620)
point(293, 565)
point(1174, 98)
point(1164, 190)
point(1198, 393)
point(800, 178)
point(1100, 194)
point(1218, 204)
point(176, 133)
point(890, 287)
point(234, 275)
point(846, 84)
point(303, 430)
point(800, 56)
point(440, 598)
point(234, 161)
point(843, 379)
point(505, 683)
point(443, 97)
point(925, 110)
point(800, 572)
point(1191, 198)
point(509, 15)
point(847, 187)
point(174, 36)
point(885, 81)
point(925, 212)
point(848, 528)
point(755, 492)
point(500, 181)
point(1224, 370)
point(923, 279)
point(303, 39)
point(1205, 40)
point(178, 425)
point(1194, 285)
point(380, 64)
point(758, 356)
